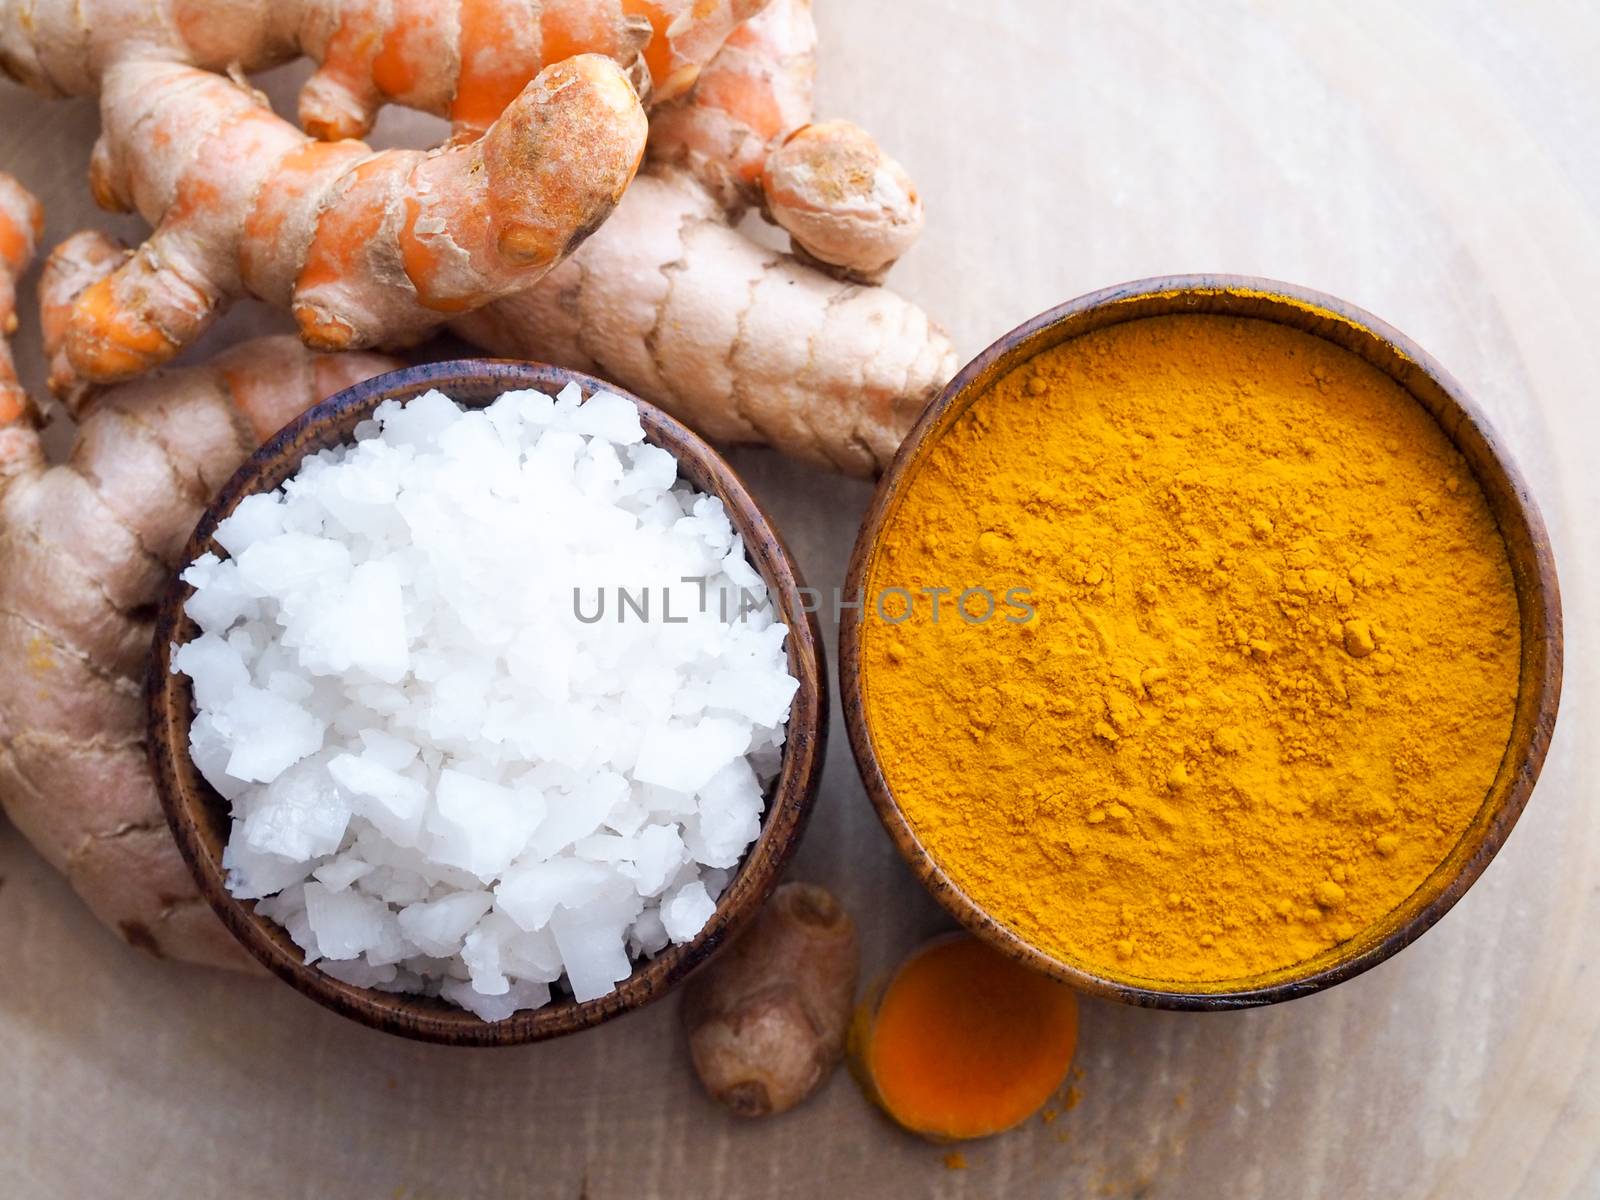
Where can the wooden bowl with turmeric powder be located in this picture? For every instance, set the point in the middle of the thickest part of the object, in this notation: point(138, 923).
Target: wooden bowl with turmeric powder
point(1209, 645)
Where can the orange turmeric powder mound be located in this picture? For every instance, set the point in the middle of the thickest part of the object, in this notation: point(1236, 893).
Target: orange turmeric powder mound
point(1264, 672)
point(964, 1042)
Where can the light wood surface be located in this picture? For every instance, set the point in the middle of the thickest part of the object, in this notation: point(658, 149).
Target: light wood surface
point(1434, 162)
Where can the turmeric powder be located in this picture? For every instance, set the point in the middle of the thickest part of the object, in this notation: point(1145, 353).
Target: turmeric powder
point(1271, 667)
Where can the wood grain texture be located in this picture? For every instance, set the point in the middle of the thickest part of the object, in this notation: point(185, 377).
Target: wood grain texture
point(1516, 513)
point(1435, 162)
point(201, 819)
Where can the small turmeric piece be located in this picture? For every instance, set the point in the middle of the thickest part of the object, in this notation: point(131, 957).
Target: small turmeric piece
point(767, 1021)
point(964, 1041)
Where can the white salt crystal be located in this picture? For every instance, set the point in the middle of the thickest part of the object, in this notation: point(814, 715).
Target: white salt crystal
point(301, 816)
point(658, 854)
point(210, 749)
point(288, 564)
point(253, 519)
point(648, 935)
point(341, 872)
point(531, 954)
point(654, 470)
point(684, 759)
point(481, 954)
point(220, 597)
point(266, 733)
point(594, 951)
point(751, 692)
point(437, 927)
point(729, 815)
point(686, 912)
point(518, 996)
point(345, 923)
point(391, 801)
point(288, 908)
point(476, 826)
point(444, 781)
point(385, 750)
point(216, 668)
point(577, 813)
point(530, 894)
point(608, 417)
point(252, 874)
point(419, 422)
point(377, 627)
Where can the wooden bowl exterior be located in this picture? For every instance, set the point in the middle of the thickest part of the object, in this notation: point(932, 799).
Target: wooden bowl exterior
point(1533, 572)
point(199, 817)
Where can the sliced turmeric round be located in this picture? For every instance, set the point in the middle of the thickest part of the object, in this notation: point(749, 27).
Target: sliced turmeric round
point(964, 1042)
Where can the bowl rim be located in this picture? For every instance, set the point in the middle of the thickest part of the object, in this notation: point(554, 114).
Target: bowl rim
point(1521, 528)
point(184, 795)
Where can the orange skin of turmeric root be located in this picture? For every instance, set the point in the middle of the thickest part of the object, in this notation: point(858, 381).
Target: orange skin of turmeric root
point(365, 248)
point(464, 60)
point(21, 223)
point(746, 133)
point(963, 1041)
point(85, 549)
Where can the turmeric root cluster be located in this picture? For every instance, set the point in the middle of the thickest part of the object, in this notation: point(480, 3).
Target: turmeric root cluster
point(85, 550)
point(376, 249)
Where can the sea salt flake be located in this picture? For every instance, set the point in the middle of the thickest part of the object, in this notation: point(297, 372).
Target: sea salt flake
point(684, 759)
point(530, 894)
point(438, 927)
point(267, 734)
point(685, 913)
point(301, 816)
point(345, 923)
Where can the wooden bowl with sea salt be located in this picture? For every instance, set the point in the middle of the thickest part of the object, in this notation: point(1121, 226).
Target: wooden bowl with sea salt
point(199, 817)
point(1536, 667)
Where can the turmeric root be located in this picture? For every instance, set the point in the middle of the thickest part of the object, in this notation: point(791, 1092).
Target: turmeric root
point(21, 222)
point(73, 267)
point(465, 60)
point(754, 93)
point(767, 1020)
point(963, 1041)
point(842, 200)
point(742, 343)
point(745, 344)
point(366, 248)
point(745, 133)
point(85, 549)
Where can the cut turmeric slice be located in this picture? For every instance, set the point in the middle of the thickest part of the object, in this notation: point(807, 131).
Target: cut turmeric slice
point(964, 1042)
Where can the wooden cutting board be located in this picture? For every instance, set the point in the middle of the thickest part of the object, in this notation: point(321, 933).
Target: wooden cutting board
point(1435, 162)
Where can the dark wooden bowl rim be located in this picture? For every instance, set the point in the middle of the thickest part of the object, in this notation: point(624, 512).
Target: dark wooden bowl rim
point(1533, 572)
point(199, 817)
